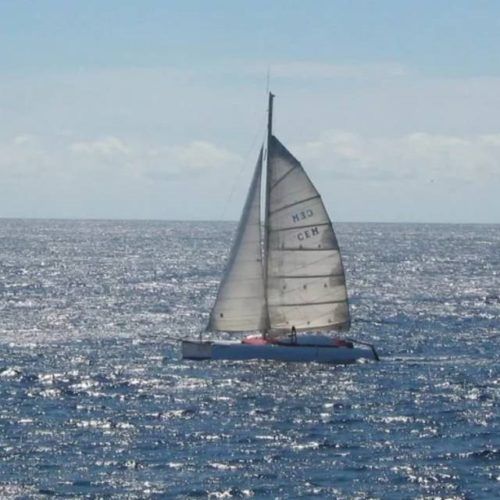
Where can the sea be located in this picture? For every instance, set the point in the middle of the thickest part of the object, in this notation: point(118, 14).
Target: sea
point(95, 401)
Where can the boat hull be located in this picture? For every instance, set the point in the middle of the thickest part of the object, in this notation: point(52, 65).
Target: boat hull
point(204, 350)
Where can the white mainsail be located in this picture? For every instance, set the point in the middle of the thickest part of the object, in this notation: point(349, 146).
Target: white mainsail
point(302, 282)
point(305, 277)
point(240, 303)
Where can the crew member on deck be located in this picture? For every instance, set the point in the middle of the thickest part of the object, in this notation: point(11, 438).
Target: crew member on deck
point(293, 335)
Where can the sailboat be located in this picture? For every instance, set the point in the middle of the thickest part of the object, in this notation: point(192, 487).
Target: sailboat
point(284, 281)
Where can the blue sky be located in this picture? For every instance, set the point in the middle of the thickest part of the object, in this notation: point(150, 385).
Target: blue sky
point(156, 109)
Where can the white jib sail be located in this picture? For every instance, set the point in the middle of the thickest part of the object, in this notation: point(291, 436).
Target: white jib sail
point(305, 277)
point(240, 300)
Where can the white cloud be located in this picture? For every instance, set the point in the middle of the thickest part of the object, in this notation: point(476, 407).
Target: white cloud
point(109, 146)
point(38, 156)
point(419, 156)
point(23, 139)
point(23, 156)
point(139, 142)
point(48, 176)
point(196, 158)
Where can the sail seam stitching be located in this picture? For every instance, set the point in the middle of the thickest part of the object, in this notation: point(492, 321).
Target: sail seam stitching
point(281, 276)
point(295, 203)
point(282, 177)
point(309, 303)
point(300, 227)
point(333, 249)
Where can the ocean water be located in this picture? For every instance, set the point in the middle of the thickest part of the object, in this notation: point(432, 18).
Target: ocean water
point(95, 402)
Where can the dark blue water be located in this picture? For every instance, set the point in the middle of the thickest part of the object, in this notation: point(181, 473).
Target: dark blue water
point(95, 401)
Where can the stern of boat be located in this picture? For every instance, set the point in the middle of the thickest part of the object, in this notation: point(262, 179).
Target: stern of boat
point(193, 349)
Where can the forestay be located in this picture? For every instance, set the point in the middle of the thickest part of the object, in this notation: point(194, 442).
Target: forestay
point(305, 277)
point(240, 300)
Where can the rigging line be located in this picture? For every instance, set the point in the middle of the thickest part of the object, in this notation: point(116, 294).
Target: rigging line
point(261, 126)
point(244, 167)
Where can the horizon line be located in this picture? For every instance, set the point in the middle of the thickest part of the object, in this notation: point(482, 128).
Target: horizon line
point(118, 219)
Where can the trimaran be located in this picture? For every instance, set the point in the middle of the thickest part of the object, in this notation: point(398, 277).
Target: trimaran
point(285, 280)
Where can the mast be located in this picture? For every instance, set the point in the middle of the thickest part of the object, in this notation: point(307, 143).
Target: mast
point(270, 120)
point(266, 223)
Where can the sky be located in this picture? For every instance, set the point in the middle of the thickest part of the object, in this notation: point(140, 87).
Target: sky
point(157, 109)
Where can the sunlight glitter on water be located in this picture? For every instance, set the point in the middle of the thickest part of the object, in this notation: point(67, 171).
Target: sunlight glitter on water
point(97, 402)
